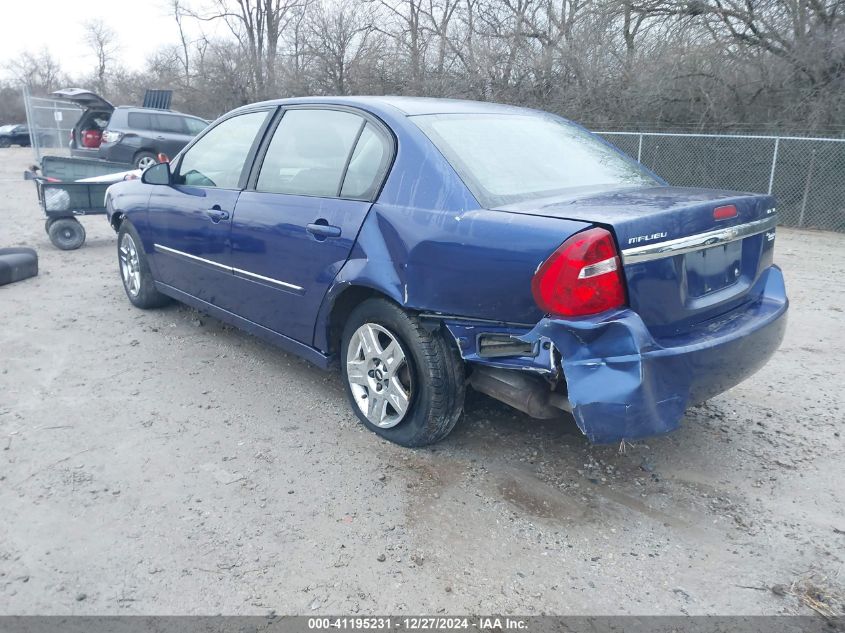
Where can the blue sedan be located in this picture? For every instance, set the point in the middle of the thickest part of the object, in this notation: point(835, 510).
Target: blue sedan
point(424, 245)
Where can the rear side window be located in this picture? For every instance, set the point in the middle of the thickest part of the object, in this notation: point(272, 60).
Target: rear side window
point(367, 166)
point(140, 121)
point(309, 152)
point(171, 123)
point(217, 159)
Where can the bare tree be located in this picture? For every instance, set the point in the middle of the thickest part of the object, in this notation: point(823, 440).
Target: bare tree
point(341, 39)
point(258, 26)
point(178, 10)
point(405, 26)
point(684, 63)
point(102, 41)
point(40, 72)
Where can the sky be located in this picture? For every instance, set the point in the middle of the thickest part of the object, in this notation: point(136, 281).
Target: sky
point(141, 26)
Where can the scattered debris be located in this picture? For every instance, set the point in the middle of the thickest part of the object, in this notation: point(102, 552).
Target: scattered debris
point(815, 592)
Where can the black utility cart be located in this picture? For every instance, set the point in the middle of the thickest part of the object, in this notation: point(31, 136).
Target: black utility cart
point(64, 194)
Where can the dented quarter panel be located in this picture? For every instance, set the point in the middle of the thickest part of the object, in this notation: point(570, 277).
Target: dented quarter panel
point(466, 335)
point(428, 245)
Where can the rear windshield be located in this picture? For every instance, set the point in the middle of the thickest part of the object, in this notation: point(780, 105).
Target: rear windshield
point(510, 158)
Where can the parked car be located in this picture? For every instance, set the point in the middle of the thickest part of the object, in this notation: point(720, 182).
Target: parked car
point(14, 135)
point(127, 134)
point(427, 244)
point(20, 134)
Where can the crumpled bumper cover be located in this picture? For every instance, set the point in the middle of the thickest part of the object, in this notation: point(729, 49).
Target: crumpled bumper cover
point(623, 384)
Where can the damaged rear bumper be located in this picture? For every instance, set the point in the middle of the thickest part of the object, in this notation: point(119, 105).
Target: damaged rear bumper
point(624, 384)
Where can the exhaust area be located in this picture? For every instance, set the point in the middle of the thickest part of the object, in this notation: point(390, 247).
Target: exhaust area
point(520, 390)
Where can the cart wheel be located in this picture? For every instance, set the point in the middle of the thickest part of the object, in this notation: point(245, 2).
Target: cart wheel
point(66, 233)
point(48, 223)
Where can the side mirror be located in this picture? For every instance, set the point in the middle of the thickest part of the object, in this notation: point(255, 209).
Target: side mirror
point(158, 174)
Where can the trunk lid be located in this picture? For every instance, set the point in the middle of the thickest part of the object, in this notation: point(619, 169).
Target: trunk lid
point(84, 98)
point(682, 266)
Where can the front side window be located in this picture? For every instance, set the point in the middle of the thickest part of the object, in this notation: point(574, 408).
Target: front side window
point(168, 123)
point(510, 158)
point(194, 126)
point(217, 159)
point(309, 153)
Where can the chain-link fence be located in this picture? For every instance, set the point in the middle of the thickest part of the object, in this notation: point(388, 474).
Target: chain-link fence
point(50, 123)
point(806, 175)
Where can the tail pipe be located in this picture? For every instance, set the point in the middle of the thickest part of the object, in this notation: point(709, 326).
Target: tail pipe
point(520, 390)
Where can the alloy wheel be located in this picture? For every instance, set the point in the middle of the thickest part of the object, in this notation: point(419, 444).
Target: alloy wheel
point(130, 265)
point(379, 375)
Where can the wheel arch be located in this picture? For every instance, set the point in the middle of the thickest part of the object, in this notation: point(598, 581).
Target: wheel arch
point(142, 150)
point(116, 220)
point(340, 301)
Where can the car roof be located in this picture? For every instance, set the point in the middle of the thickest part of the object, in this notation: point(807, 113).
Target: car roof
point(140, 109)
point(409, 106)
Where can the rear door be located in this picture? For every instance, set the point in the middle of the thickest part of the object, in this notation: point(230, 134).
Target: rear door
point(190, 221)
point(295, 225)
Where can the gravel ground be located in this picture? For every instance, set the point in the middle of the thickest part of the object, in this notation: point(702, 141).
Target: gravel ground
point(162, 462)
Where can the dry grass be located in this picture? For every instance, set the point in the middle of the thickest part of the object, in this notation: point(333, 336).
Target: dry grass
point(818, 593)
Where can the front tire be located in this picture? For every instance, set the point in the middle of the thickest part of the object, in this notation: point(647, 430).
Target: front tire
point(404, 382)
point(135, 270)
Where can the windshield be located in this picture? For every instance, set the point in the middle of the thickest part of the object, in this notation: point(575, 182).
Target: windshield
point(510, 158)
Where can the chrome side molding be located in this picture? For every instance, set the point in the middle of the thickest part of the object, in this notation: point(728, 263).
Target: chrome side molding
point(238, 272)
point(682, 245)
point(173, 251)
point(245, 273)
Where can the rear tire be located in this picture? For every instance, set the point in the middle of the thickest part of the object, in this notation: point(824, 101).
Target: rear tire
point(67, 234)
point(145, 160)
point(134, 270)
point(388, 357)
point(4, 142)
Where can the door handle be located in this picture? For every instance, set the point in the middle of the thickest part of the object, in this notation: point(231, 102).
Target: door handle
point(322, 229)
point(217, 214)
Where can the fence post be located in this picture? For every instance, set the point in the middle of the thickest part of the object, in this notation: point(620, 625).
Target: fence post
point(31, 123)
point(807, 188)
point(640, 149)
point(774, 164)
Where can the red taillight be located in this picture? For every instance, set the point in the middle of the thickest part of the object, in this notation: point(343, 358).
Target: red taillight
point(583, 276)
point(724, 213)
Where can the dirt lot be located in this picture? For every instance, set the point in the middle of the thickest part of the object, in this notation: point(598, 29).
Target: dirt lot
point(161, 462)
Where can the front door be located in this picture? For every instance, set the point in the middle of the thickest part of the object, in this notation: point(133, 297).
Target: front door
point(190, 221)
point(294, 227)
